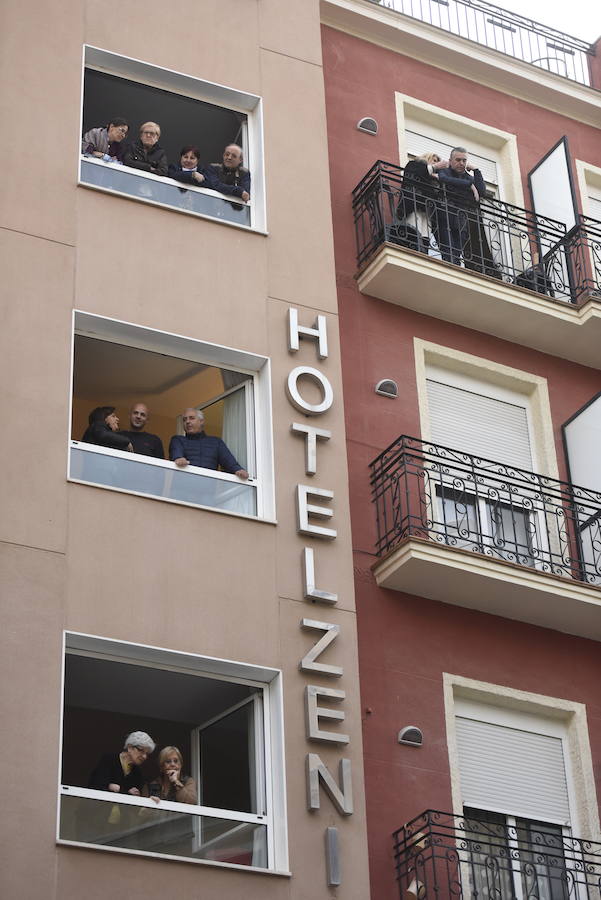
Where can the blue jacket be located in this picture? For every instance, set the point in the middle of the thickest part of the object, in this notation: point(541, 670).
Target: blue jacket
point(227, 181)
point(203, 450)
point(460, 186)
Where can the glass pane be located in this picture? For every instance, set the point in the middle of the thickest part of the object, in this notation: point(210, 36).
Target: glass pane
point(487, 856)
point(228, 764)
point(124, 180)
point(513, 532)
point(459, 517)
point(543, 866)
point(158, 481)
point(111, 824)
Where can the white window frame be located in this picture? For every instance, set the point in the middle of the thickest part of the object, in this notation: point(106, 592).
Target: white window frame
point(268, 680)
point(259, 436)
point(175, 82)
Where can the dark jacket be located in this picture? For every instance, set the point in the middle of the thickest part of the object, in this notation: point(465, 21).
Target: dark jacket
point(109, 771)
point(227, 181)
point(153, 160)
point(203, 450)
point(99, 433)
point(459, 187)
point(418, 187)
point(145, 443)
point(185, 175)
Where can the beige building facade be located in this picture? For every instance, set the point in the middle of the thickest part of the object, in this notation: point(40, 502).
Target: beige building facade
point(187, 603)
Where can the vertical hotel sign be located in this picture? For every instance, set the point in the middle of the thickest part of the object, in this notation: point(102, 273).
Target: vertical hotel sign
point(314, 512)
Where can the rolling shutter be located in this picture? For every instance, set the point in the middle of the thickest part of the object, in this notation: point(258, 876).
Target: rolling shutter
point(418, 144)
point(512, 771)
point(480, 425)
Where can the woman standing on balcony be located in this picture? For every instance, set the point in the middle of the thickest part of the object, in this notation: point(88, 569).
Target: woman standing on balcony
point(417, 205)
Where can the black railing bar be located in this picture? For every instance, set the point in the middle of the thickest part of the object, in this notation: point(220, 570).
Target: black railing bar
point(595, 517)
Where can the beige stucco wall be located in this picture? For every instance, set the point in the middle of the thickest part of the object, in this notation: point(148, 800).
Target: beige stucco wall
point(91, 560)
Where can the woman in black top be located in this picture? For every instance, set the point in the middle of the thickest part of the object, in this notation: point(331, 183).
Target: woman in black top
point(119, 772)
point(103, 429)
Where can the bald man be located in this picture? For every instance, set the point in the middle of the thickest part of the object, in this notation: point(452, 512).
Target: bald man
point(229, 176)
point(143, 442)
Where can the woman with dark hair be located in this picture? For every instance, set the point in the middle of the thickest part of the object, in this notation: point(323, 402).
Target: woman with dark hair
point(106, 143)
point(188, 171)
point(103, 429)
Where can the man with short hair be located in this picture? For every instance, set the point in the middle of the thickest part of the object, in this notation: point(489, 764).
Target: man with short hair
point(229, 176)
point(106, 143)
point(200, 449)
point(143, 442)
point(463, 189)
point(146, 153)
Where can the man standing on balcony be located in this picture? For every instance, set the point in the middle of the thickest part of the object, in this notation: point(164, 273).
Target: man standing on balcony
point(143, 442)
point(463, 189)
point(146, 153)
point(200, 449)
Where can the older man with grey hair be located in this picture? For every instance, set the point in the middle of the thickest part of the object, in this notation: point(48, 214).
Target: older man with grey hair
point(464, 188)
point(119, 772)
point(196, 448)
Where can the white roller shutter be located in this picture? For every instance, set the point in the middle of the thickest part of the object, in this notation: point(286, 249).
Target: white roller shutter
point(594, 207)
point(511, 771)
point(480, 425)
point(418, 144)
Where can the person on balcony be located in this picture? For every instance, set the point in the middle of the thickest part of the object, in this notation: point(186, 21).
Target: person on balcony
point(416, 209)
point(119, 772)
point(188, 171)
point(199, 449)
point(143, 442)
point(103, 429)
point(458, 210)
point(171, 784)
point(146, 153)
point(229, 176)
point(106, 143)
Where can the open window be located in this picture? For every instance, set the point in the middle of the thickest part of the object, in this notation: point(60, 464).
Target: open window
point(189, 111)
point(224, 717)
point(117, 364)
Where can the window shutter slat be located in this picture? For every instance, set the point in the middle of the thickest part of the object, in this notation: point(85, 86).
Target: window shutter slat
point(418, 144)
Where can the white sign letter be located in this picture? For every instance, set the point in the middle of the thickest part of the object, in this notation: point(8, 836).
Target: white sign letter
point(311, 443)
point(342, 798)
point(312, 409)
point(296, 331)
point(304, 509)
point(314, 713)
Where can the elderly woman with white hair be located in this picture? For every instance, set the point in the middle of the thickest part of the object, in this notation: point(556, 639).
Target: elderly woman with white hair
point(119, 772)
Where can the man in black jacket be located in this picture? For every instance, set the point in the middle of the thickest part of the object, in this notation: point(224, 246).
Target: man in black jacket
point(143, 442)
point(463, 189)
point(146, 153)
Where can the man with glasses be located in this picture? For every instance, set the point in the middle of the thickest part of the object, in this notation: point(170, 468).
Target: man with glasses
point(106, 143)
point(146, 153)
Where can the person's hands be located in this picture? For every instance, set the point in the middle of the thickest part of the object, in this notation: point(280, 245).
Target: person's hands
point(441, 164)
point(130, 447)
point(134, 792)
point(157, 800)
point(475, 193)
point(181, 461)
point(115, 788)
point(245, 196)
point(198, 178)
point(242, 473)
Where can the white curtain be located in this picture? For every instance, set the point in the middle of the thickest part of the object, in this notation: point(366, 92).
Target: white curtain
point(234, 425)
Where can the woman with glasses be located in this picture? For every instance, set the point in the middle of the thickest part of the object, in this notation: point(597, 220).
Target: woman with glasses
point(106, 143)
point(171, 783)
point(146, 153)
point(120, 772)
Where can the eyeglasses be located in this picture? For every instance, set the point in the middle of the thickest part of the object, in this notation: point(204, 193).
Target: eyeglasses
point(143, 750)
point(122, 129)
point(150, 133)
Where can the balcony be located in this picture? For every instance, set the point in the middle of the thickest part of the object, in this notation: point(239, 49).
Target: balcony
point(517, 275)
point(504, 31)
point(480, 534)
point(449, 857)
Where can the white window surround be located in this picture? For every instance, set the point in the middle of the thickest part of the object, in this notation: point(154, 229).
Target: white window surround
point(196, 88)
point(532, 711)
point(502, 379)
point(589, 184)
point(456, 130)
point(269, 680)
point(258, 367)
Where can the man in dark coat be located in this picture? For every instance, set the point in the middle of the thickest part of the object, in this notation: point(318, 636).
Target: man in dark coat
point(229, 176)
point(146, 153)
point(463, 189)
point(143, 442)
point(200, 449)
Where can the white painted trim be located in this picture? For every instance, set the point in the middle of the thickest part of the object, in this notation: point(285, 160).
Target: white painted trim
point(534, 388)
point(587, 176)
point(564, 713)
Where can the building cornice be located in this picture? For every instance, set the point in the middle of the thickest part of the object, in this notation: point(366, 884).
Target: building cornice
point(434, 46)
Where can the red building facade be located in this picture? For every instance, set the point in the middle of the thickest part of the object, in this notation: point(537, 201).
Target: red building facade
point(476, 564)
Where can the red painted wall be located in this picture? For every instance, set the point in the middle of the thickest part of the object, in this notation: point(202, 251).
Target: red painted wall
point(406, 643)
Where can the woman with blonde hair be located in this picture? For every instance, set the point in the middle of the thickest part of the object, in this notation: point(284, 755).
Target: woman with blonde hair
point(171, 784)
point(417, 204)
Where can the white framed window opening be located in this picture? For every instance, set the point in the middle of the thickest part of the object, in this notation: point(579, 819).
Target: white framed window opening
point(517, 797)
point(119, 364)
point(476, 505)
point(189, 111)
point(226, 720)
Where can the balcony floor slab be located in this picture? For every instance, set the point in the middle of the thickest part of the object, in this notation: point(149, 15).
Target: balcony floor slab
point(445, 291)
point(463, 578)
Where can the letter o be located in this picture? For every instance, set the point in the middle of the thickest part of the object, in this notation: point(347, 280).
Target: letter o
point(313, 409)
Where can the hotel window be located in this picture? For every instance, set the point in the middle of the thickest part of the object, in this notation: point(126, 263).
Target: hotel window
point(119, 364)
point(189, 111)
point(226, 720)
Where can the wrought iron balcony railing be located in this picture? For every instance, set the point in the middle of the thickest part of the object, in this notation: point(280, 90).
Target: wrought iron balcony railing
point(493, 238)
point(441, 856)
point(423, 490)
point(507, 32)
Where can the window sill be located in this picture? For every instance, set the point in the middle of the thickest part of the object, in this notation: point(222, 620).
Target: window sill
point(158, 479)
point(166, 192)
